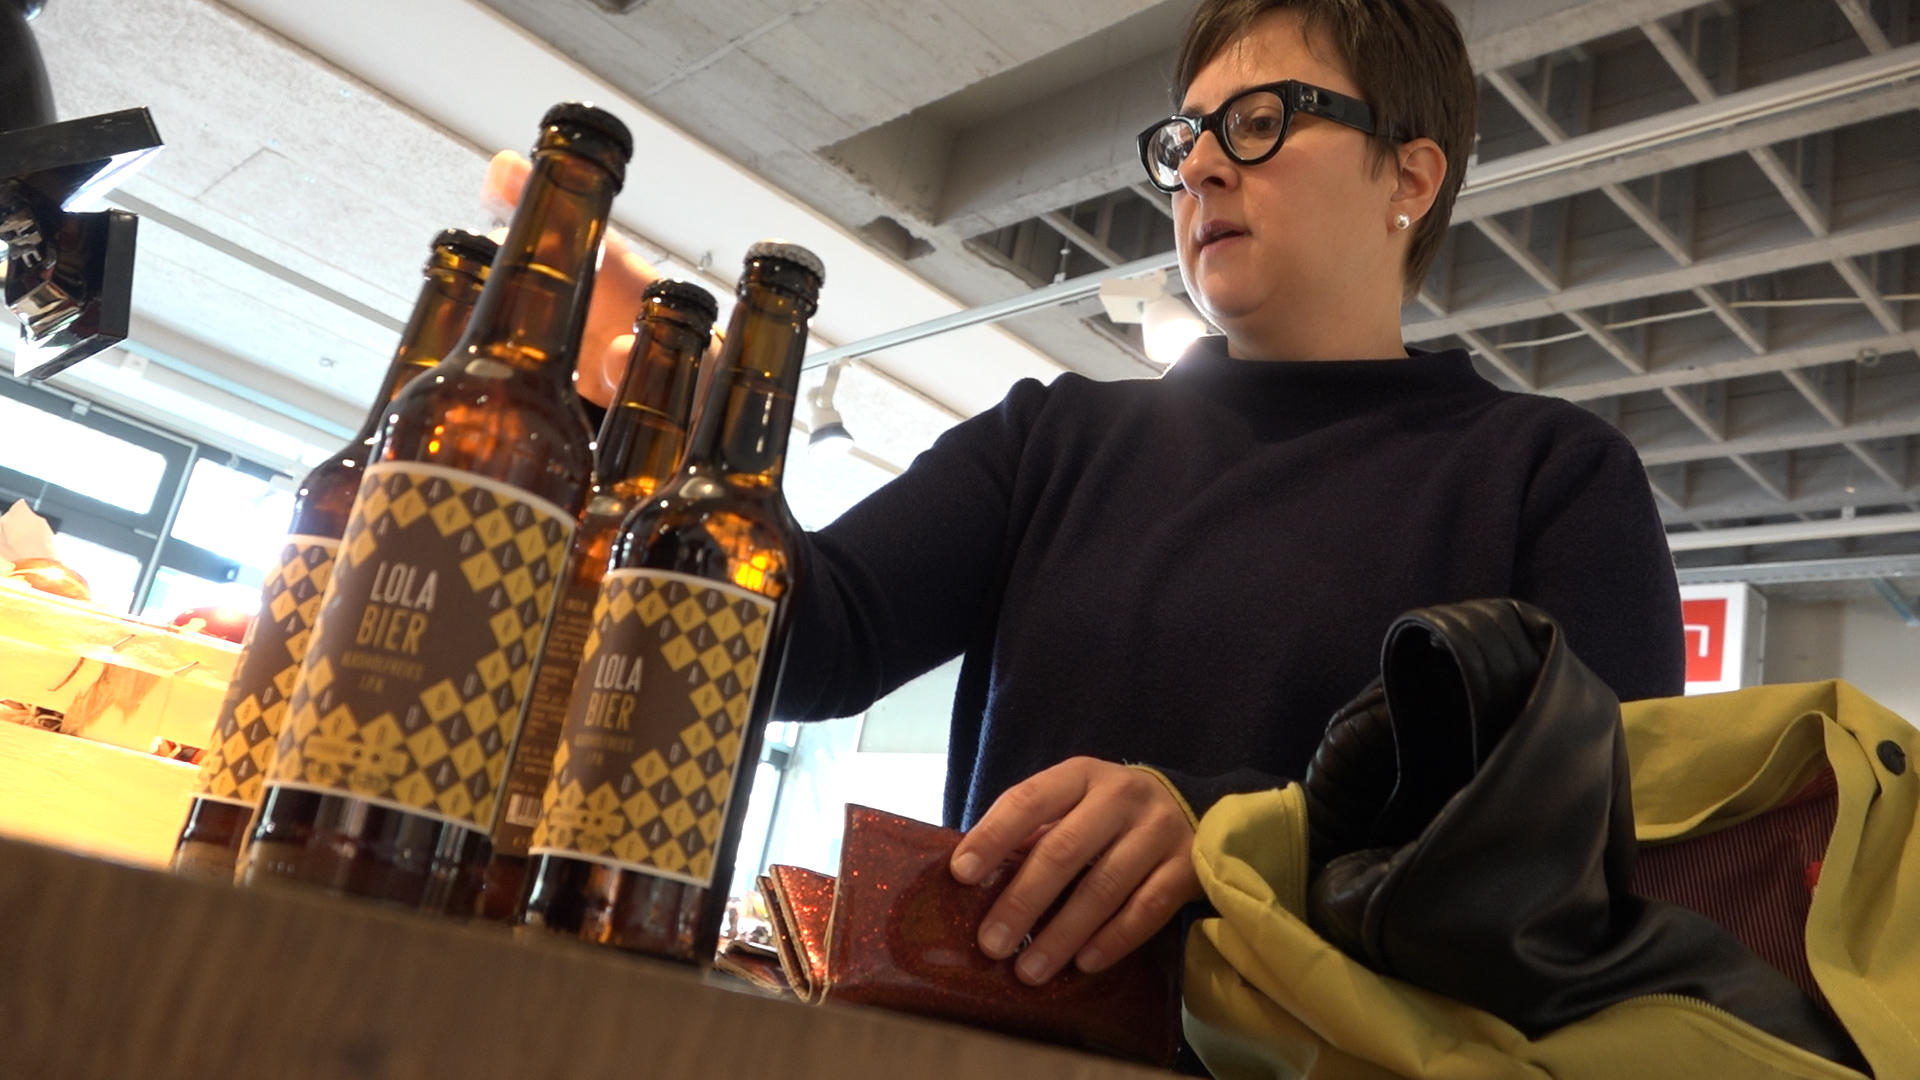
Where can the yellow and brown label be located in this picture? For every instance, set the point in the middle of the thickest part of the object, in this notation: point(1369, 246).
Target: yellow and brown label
point(410, 692)
point(251, 717)
point(545, 712)
point(650, 753)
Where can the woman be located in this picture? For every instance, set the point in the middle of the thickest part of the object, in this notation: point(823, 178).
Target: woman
point(1162, 589)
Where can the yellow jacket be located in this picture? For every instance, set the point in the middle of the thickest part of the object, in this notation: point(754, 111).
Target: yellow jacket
point(1266, 997)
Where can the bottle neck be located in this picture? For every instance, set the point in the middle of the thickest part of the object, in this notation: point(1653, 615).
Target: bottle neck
point(748, 415)
point(439, 318)
point(534, 306)
point(645, 430)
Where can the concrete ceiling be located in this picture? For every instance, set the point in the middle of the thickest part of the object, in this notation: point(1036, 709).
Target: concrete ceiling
point(1698, 220)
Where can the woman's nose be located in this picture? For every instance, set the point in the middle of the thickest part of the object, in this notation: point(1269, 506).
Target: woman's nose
point(1207, 163)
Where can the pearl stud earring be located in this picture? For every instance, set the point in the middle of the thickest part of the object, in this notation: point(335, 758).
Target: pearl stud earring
point(1402, 222)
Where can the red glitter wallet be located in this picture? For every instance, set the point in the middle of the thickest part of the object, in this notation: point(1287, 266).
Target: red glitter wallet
point(895, 930)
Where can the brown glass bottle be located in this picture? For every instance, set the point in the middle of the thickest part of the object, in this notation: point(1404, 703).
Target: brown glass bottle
point(227, 788)
point(640, 446)
point(403, 713)
point(642, 818)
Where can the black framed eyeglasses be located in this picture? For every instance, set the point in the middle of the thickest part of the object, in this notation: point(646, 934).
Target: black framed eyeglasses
point(1250, 126)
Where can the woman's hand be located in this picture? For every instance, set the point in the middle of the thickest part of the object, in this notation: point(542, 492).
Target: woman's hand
point(617, 288)
point(1121, 825)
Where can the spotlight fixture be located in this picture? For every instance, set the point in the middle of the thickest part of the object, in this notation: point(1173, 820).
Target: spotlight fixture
point(830, 434)
point(1168, 324)
point(1170, 327)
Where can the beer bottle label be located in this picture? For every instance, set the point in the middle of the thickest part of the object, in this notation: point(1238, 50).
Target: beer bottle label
point(651, 748)
point(410, 693)
point(251, 717)
point(546, 712)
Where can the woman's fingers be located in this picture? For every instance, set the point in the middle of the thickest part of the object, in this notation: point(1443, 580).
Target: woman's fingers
point(1114, 834)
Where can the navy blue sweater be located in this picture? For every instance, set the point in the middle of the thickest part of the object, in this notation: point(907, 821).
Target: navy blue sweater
point(1194, 572)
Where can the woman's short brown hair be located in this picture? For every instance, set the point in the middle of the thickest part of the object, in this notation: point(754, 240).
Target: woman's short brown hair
point(1410, 62)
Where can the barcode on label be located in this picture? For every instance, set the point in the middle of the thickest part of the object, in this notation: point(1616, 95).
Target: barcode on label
point(523, 810)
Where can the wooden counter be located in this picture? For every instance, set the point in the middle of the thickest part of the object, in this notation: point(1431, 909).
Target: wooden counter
point(114, 972)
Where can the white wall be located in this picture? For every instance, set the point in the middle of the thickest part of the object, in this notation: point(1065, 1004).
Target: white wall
point(1861, 641)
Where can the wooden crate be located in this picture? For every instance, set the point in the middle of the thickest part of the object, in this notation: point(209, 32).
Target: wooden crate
point(119, 680)
point(90, 797)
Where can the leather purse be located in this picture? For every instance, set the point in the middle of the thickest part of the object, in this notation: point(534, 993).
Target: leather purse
point(895, 930)
point(1472, 833)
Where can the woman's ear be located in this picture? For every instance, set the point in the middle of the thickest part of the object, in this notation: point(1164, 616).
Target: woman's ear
point(1422, 169)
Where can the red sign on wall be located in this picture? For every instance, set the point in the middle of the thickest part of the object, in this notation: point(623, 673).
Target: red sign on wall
point(1706, 627)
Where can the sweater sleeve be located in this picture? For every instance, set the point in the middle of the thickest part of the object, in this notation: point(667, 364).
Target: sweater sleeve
point(1594, 555)
point(899, 583)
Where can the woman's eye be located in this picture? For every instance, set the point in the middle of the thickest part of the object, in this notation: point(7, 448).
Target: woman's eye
point(1264, 124)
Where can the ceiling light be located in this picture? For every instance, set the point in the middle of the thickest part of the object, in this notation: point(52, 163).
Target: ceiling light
point(1170, 327)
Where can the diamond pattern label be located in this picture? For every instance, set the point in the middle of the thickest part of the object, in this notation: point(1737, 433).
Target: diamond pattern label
point(546, 709)
point(248, 728)
point(410, 694)
point(651, 746)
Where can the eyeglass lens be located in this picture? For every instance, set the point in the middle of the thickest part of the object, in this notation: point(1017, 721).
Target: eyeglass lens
point(1253, 124)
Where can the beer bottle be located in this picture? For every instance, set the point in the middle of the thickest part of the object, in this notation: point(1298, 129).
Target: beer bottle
point(227, 789)
point(640, 446)
point(403, 714)
point(639, 825)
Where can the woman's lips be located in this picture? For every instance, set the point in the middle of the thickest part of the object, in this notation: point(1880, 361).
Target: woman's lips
point(1215, 232)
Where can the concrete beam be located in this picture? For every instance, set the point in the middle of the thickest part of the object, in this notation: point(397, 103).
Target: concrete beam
point(1501, 33)
point(1733, 320)
point(1605, 338)
point(1765, 255)
point(1514, 249)
point(1780, 360)
point(1081, 238)
point(1752, 501)
point(1887, 427)
point(1823, 481)
point(1704, 406)
point(1886, 460)
point(1869, 294)
point(1499, 360)
point(1669, 484)
point(1874, 525)
point(1068, 148)
point(1819, 387)
point(1772, 473)
point(1776, 112)
point(1861, 16)
point(1649, 222)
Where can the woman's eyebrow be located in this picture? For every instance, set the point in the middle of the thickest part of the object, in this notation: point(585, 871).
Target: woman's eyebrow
point(1196, 112)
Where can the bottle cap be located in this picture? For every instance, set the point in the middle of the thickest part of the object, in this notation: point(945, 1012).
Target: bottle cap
point(685, 294)
point(467, 245)
point(789, 253)
point(579, 114)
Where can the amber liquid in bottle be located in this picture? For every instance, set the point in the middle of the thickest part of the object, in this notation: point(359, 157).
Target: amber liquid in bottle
point(642, 819)
point(402, 716)
point(227, 789)
point(641, 443)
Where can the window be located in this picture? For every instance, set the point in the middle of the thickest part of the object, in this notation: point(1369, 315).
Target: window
point(155, 523)
point(235, 513)
point(81, 459)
